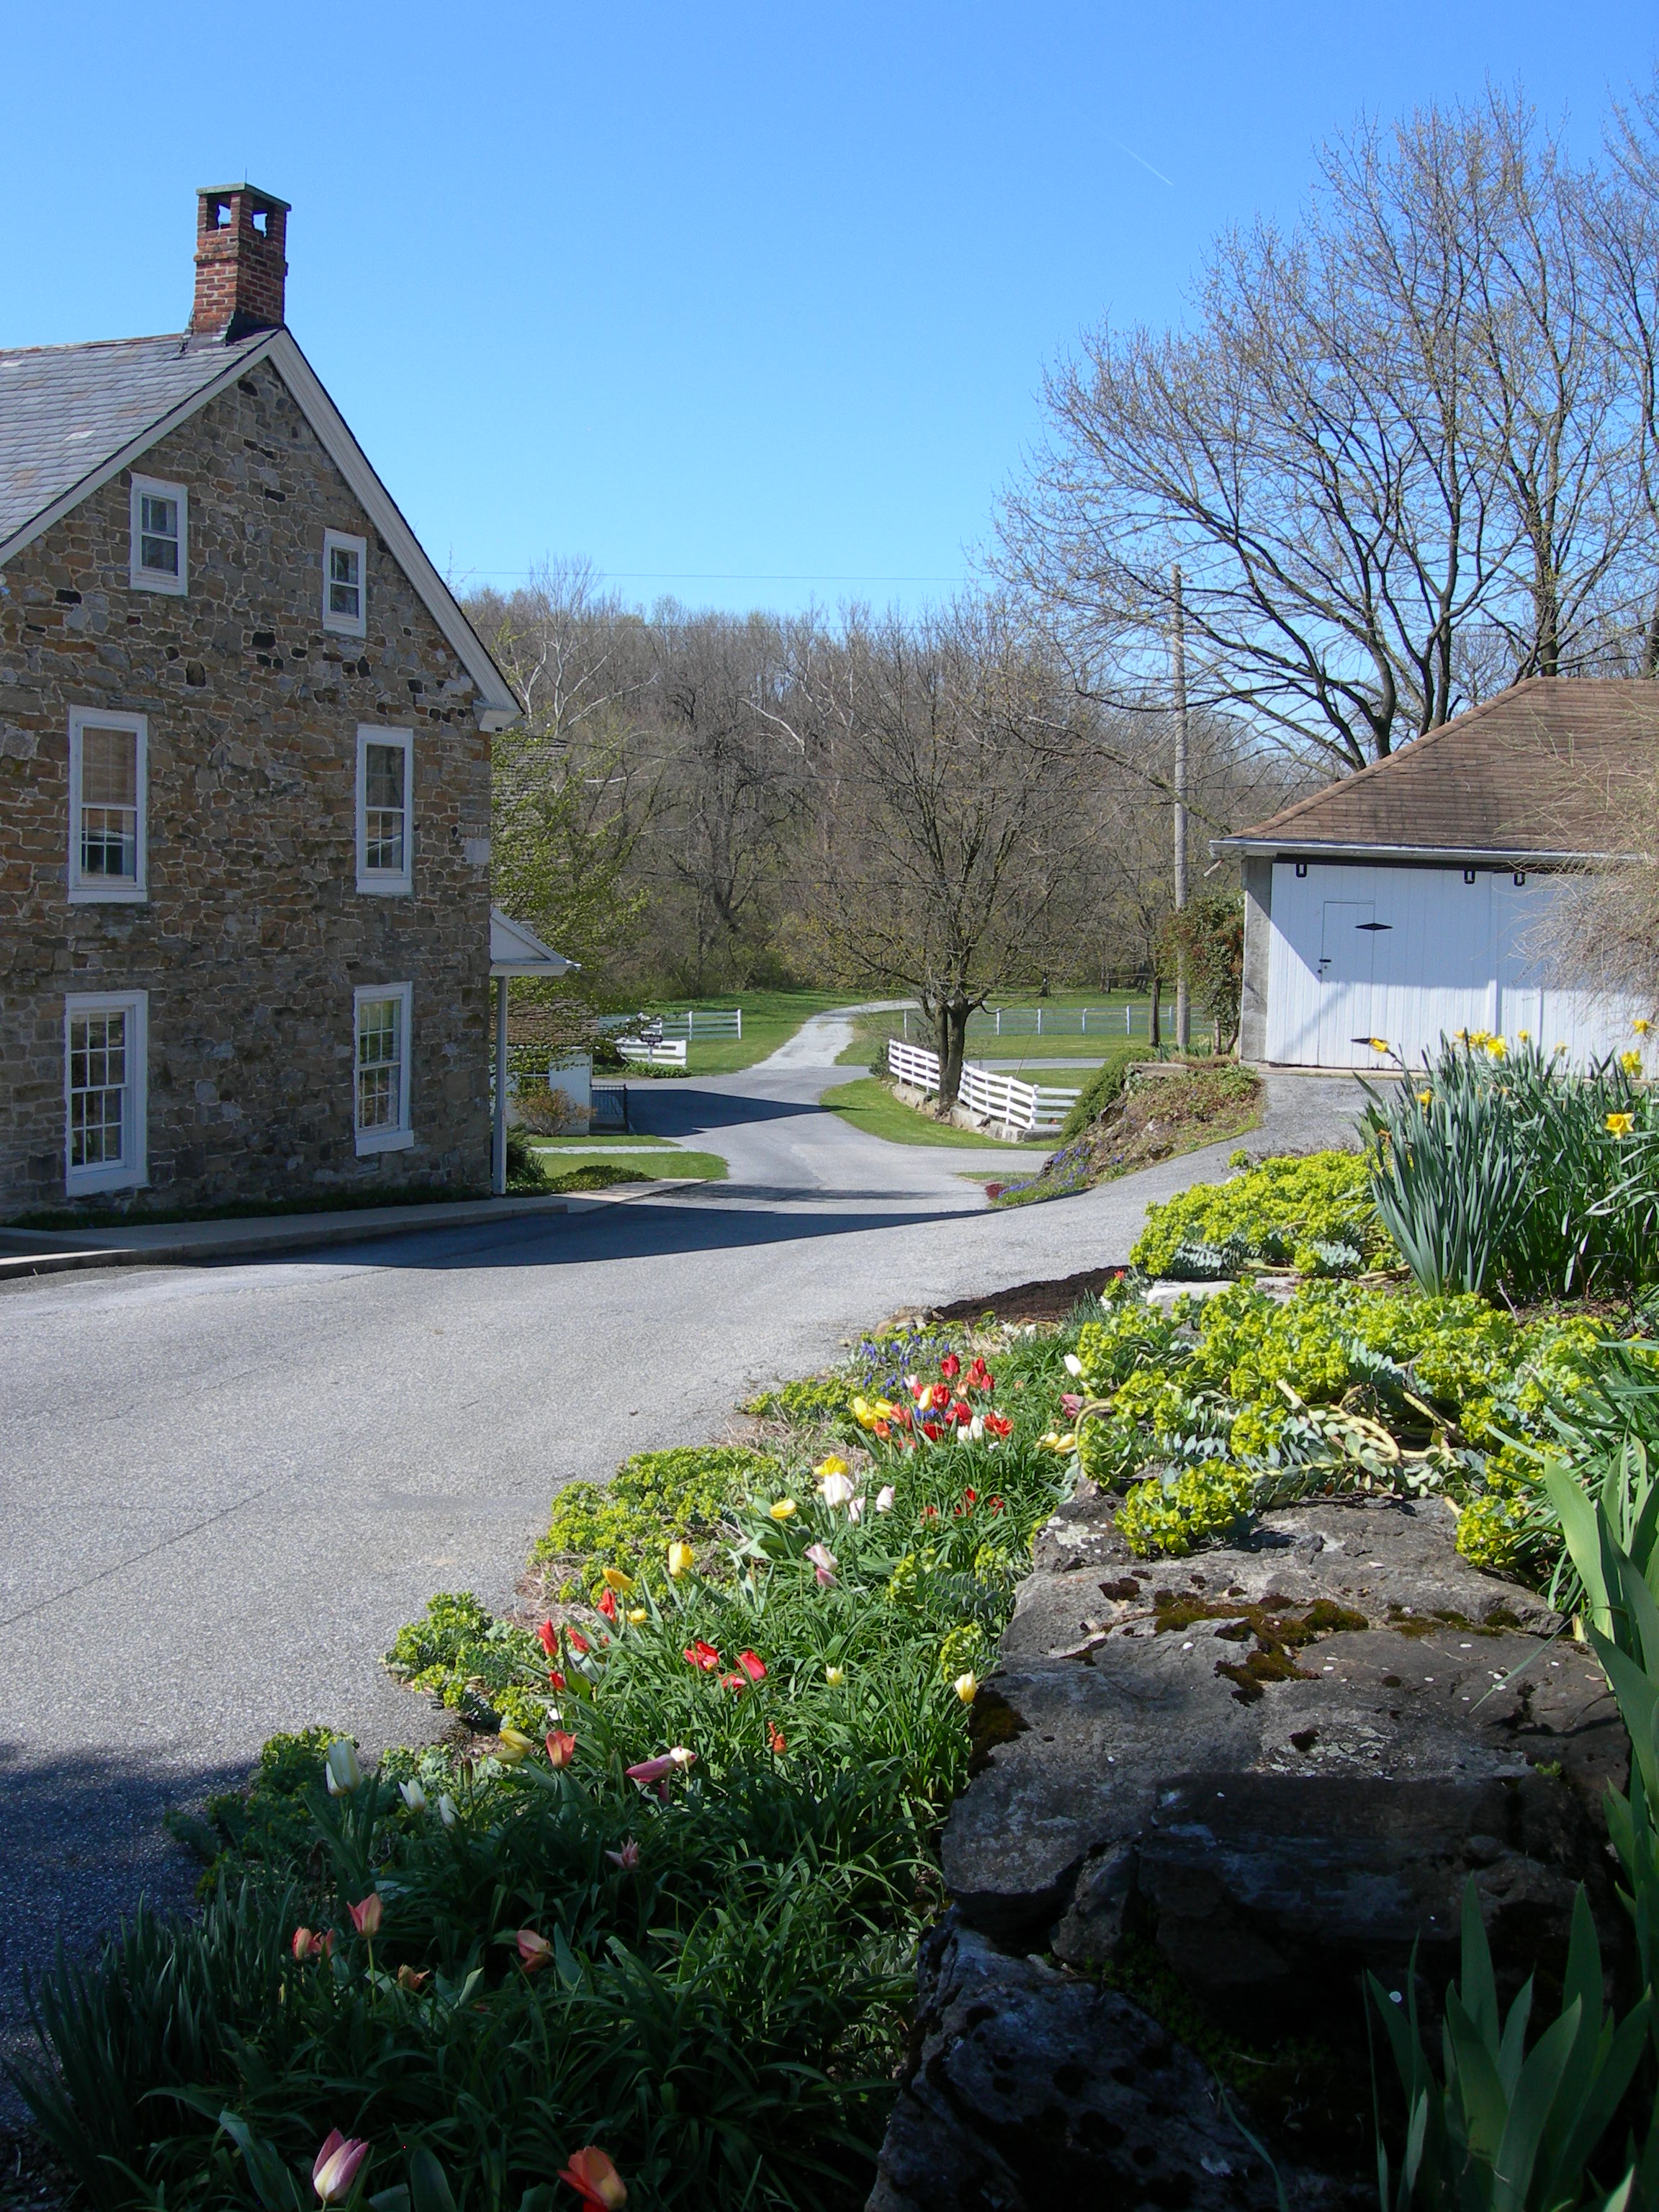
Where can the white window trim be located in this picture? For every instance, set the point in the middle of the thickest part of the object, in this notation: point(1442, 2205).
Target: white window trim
point(400, 1139)
point(151, 580)
point(133, 1172)
point(387, 881)
point(99, 891)
point(342, 625)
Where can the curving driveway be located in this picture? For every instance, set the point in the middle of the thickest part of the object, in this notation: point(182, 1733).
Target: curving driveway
point(223, 1488)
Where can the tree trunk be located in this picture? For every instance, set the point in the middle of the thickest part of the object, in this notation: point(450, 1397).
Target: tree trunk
point(1157, 1035)
point(952, 1029)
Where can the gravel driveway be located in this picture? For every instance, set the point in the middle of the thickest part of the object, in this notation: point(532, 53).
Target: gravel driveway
point(223, 1488)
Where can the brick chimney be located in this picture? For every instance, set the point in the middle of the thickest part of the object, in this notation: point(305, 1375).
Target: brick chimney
point(240, 264)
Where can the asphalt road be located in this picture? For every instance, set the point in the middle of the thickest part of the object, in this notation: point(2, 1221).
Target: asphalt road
point(223, 1488)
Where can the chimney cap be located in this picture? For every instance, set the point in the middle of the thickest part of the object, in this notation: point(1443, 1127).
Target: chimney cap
point(254, 191)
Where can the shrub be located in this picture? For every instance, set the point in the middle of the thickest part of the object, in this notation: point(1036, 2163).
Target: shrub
point(1170, 1514)
point(1101, 1090)
point(1317, 1213)
point(1496, 1166)
point(548, 1113)
point(654, 1497)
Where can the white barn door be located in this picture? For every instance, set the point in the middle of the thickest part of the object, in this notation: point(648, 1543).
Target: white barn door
point(1346, 965)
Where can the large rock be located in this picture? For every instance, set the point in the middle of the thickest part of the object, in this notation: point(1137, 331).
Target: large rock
point(1034, 2087)
point(1283, 1760)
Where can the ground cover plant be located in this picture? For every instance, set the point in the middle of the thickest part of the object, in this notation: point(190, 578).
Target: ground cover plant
point(663, 1904)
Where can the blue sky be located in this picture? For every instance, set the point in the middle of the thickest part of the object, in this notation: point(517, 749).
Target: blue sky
point(748, 304)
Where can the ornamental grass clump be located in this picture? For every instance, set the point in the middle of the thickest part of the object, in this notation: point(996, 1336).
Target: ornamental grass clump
point(1497, 1167)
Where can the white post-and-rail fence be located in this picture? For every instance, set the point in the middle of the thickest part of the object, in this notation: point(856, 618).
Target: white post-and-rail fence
point(655, 1053)
point(1036, 1107)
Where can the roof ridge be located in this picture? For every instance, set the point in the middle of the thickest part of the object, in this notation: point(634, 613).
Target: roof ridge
point(100, 345)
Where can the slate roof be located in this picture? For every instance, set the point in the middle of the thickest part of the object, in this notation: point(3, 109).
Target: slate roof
point(64, 410)
point(1549, 767)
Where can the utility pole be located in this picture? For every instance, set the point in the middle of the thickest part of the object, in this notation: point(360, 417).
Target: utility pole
point(1183, 1002)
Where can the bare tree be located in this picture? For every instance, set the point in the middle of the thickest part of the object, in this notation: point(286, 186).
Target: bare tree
point(951, 759)
point(1388, 456)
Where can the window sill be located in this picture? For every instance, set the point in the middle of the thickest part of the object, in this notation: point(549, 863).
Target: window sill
point(383, 1140)
point(386, 886)
point(109, 895)
point(335, 628)
point(82, 1183)
point(171, 587)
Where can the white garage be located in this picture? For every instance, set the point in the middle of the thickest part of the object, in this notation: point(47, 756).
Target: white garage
point(1412, 900)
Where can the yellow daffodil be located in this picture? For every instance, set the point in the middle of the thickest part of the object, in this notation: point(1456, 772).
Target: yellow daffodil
point(783, 1509)
point(1641, 1025)
point(618, 1581)
point(511, 1745)
point(1495, 1046)
point(966, 1687)
point(1631, 1063)
point(637, 1614)
point(835, 1464)
point(1621, 1124)
point(1425, 1098)
point(681, 1559)
point(1525, 1036)
point(834, 1676)
point(1377, 1044)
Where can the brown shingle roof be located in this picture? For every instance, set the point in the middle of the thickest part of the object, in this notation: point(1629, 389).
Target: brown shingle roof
point(1548, 767)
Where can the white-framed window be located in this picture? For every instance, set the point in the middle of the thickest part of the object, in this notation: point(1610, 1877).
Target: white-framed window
point(108, 764)
point(381, 1015)
point(160, 560)
point(105, 1045)
point(345, 583)
point(386, 822)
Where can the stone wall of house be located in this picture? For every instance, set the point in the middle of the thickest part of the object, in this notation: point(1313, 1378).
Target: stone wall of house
point(253, 935)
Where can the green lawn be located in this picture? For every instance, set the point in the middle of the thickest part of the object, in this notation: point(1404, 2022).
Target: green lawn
point(669, 1161)
point(869, 1105)
point(1008, 1051)
point(594, 1138)
point(769, 1018)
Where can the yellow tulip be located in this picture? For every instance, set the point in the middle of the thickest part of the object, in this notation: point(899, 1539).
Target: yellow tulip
point(967, 1687)
point(835, 1464)
point(1621, 1124)
point(637, 1615)
point(681, 1559)
point(619, 1582)
point(783, 1509)
point(834, 1676)
point(511, 1745)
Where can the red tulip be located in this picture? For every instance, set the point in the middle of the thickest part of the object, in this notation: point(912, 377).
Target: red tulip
point(733, 1682)
point(775, 1739)
point(409, 1979)
point(555, 1677)
point(561, 1748)
point(701, 1655)
point(962, 1413)
point(904, 1418)
point(998, 1425)
point(607, 1603)
point(950, 1367)
point(595, 2180)
point(970, 1497)
point(995, 1505)
point(939, 1396)
point(550, 1638)
point(930, 1513)
point(534, 1950)
point(576, 1640)
point(752, 1666)
point(930, 1429)
point(366, 1917)
point(884, 1430)
point(336, 2166)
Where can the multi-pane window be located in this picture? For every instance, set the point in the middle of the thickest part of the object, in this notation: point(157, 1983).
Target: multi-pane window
point(386, 761)
point(161, 536)
point(108, 775)
point(343, 583)
point(381, 1068)
point(103, 1057)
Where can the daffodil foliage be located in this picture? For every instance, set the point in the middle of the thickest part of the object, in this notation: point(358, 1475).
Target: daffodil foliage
point(662, 1910)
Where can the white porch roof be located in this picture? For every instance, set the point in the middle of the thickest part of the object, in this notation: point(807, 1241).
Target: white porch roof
point(515, 950)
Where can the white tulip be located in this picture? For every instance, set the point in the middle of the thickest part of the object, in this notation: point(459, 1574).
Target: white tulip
point(884, 1498)
point(344, 1775)
point(837, 1490)
point(1073, 1365)
point(414, 1796)
point(447, 1812)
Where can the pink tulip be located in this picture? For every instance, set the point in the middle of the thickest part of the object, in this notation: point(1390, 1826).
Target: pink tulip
point(1070, 1404)
point(595, 2180)
point(534, 1950)
point(306, 1945)
point(824, 1563)
point(658, 1770)
point(366, 1917)
point(561, 1748)
point(336, 2166)
point(627, 1859)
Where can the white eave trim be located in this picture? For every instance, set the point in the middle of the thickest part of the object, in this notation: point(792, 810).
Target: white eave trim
point(1448, 856)
point(497, 706)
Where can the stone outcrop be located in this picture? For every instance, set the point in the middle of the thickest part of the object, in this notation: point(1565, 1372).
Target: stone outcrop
point(1268, 1767)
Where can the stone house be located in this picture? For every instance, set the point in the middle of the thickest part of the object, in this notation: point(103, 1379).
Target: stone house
point(245, 741)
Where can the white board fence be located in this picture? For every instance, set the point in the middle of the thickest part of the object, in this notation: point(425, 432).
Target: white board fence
point(1037, 1107)
point(659, 1054)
